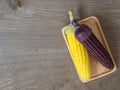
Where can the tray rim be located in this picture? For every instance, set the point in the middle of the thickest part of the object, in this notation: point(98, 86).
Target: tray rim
point(106, 44)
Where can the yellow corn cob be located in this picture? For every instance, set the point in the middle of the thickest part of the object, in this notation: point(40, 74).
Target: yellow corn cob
point(80, 57)
point(78, 52)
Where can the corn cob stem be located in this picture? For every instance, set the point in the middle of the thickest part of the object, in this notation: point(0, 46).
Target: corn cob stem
point(71, 16)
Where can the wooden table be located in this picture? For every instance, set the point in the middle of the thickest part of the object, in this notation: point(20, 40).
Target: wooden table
point(33, 54)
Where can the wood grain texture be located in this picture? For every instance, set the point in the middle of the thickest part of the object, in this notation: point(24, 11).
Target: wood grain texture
point(33, 54)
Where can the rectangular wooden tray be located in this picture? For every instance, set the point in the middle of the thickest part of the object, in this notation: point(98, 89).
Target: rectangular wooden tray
point(98, 70)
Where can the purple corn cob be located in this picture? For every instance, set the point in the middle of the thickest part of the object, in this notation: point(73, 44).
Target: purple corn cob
point(84, 34)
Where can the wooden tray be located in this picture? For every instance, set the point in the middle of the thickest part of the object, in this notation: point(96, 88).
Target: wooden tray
point(98, 70)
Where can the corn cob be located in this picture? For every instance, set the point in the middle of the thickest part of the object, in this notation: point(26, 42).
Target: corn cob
point(79, 54)
point(85, 35)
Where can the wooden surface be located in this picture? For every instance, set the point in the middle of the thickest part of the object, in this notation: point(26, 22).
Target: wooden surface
point(33, 54)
